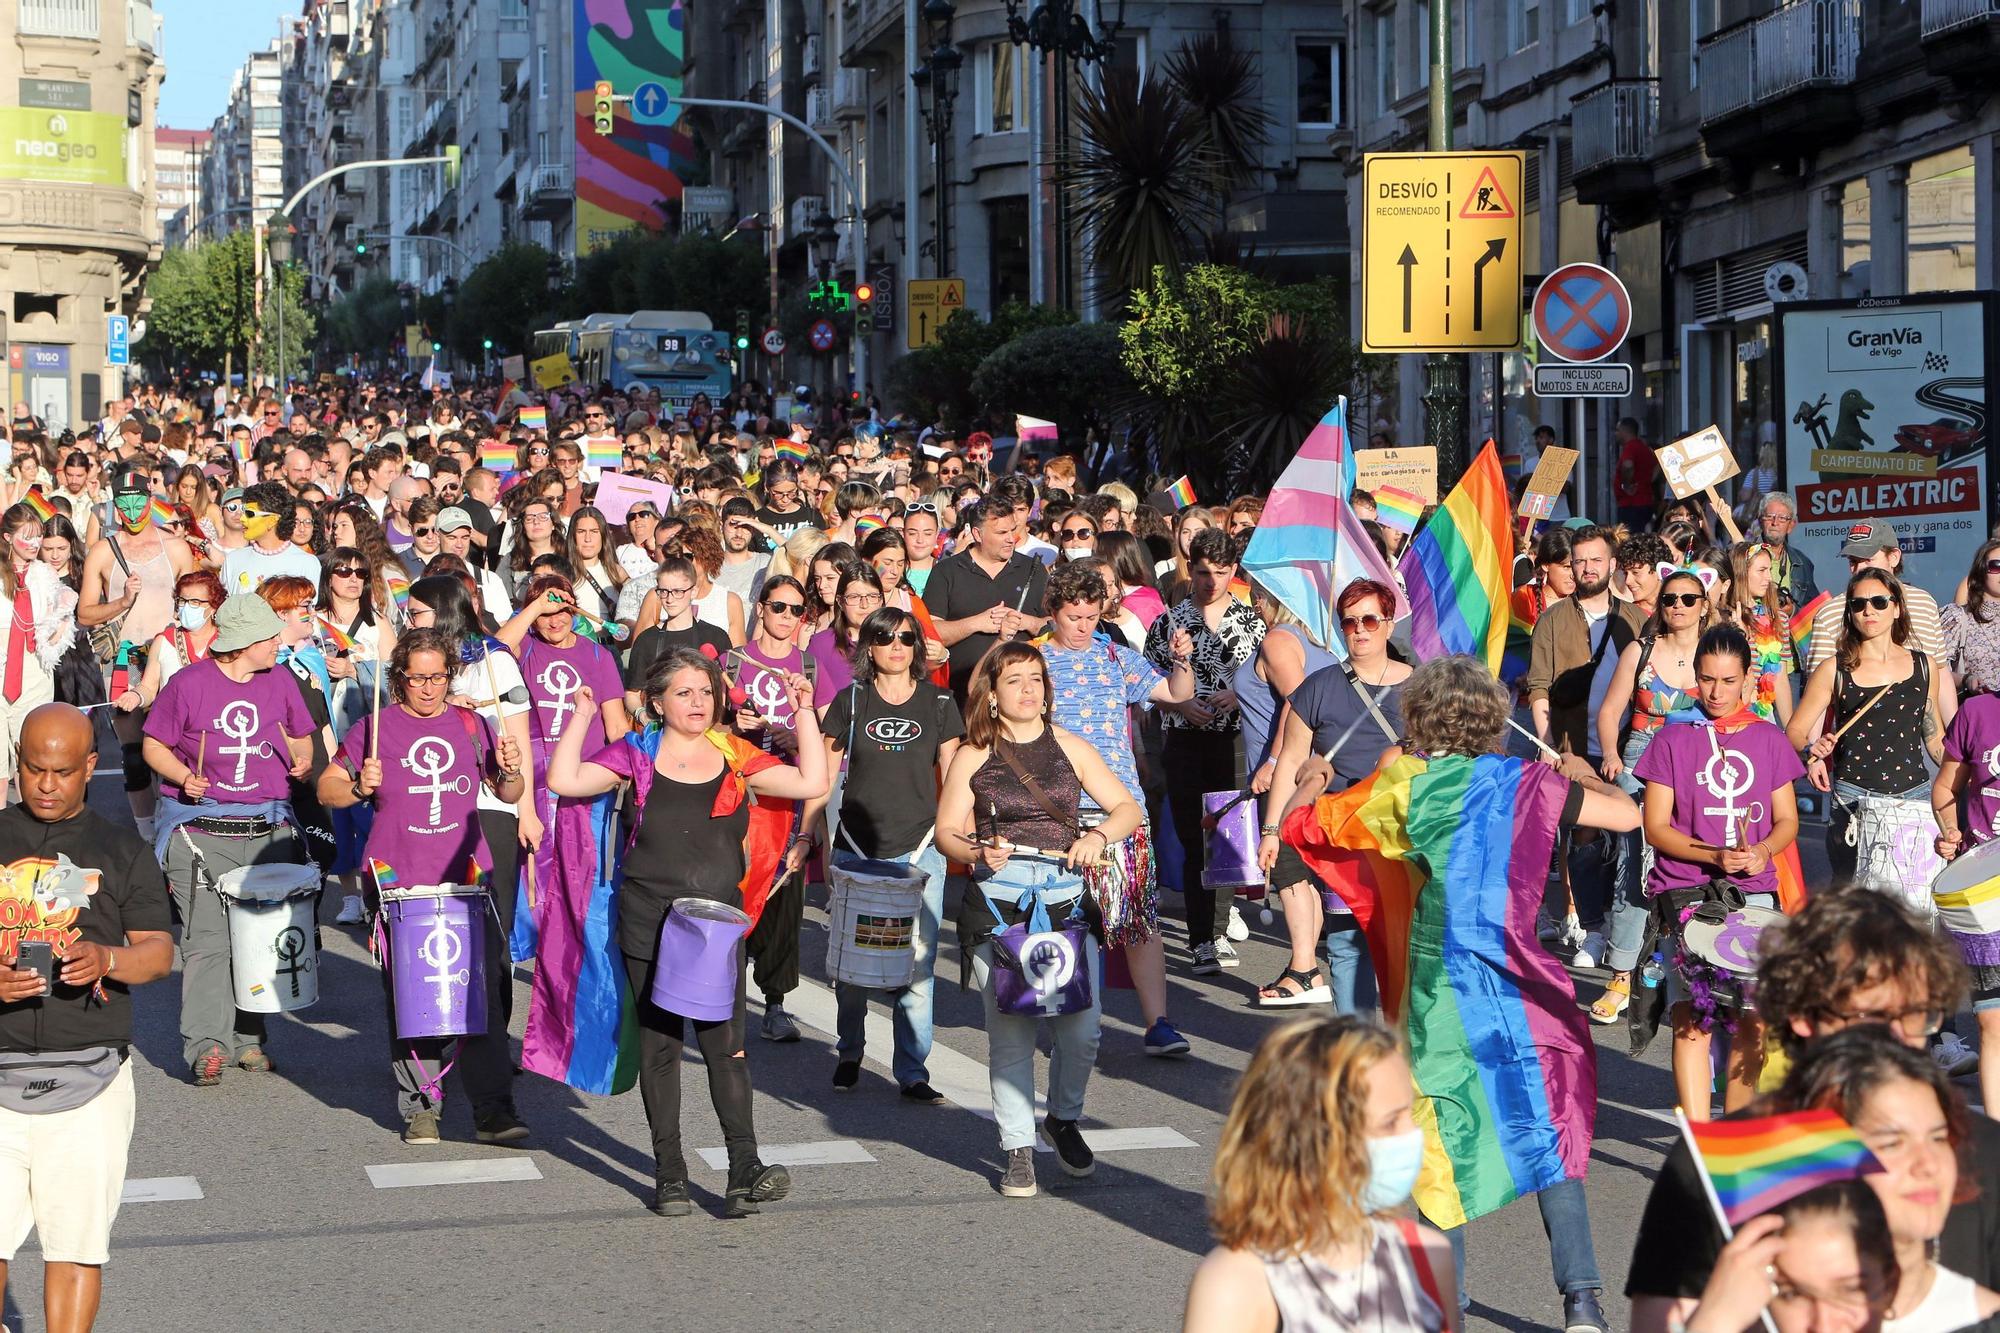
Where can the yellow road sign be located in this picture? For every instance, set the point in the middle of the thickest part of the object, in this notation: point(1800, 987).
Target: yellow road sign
point(927, 304)
point(1441, 252)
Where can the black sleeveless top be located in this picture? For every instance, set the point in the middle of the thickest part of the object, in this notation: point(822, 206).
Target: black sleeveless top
point(1884, 751)
point(1003, 807)
point(680, 851)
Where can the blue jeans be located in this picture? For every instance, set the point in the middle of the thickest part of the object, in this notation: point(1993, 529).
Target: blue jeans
point(1566, 1222)
point(911, 1004)
point(1629, 908)
point(1010, 1038)
point(1347, 962)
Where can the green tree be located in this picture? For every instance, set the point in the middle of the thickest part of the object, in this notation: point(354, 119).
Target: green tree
point(367, 321)
point(648, 270)
point(300, 324)
point(935, 382)
point(1071, 374)
point(202, 298)
point(505, 297)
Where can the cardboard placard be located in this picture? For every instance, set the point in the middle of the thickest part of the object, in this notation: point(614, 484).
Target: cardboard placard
point(513, 368)
point(617, 492)
point(1694, 463)
point(552, 371)
point(1551, 475)
point(1413, 468)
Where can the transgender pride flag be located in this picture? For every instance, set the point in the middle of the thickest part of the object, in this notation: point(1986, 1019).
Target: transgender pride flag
point(1309, 544)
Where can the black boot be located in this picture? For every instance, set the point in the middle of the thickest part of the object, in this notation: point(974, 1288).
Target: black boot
point(754, 1183)
point(670, 1199)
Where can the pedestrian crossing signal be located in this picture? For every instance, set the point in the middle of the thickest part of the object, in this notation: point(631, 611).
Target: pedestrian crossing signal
point(602, 114)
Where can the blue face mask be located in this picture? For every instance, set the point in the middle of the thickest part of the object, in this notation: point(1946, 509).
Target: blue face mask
point(1394, 1162)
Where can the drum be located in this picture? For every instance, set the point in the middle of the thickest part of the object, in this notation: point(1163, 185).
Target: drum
point(1894, 853)
point(1967, 895)
point(436, 957)
point(1232, 843)
point(273, 938)
point(1731, 943)
point(872, 927)
point(700, 959)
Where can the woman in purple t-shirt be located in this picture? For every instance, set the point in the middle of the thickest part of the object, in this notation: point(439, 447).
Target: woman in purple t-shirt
point(1720, 811)
point(1971, 770)
point(421, 761)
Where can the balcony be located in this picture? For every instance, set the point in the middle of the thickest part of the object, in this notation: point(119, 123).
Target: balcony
point(142, 26)
point(850, 94)
point(1961, 40)
point(870, 28)
point(1611, 138)
point(60, 18)
point(548, 194)
point(1781, 82)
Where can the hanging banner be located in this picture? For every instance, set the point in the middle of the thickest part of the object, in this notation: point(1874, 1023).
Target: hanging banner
point(1884, 404)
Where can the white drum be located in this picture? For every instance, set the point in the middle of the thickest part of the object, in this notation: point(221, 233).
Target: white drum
point(273, 942)
point(1967, 894)
point(1894, 852)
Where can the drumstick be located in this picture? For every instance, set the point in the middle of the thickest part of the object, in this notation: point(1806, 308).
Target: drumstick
point(1545, 747)
point(201, 755)
point(493, 682)
point(375, 737)
point(1860, 712)
point(531, 882)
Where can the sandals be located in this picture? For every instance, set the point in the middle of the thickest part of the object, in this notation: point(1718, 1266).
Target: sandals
point(1611, 1005)
point(1311, 988)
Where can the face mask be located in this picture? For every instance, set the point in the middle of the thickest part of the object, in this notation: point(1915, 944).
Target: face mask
point(1393, 1165)
point(1078, 552)
point(255, 525)
point(192, 617)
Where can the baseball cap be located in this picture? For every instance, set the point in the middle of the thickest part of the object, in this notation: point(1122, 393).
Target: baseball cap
point(1865, 539)
point(243, 620)
point(452, 519)
point(130, 483)
point(232, 495)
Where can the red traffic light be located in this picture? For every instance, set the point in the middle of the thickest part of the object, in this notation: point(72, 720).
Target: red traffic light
point(864, 292)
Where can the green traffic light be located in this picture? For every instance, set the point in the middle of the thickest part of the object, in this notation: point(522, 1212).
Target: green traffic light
point(487, 344)
point(742, 341)
point(361, 247)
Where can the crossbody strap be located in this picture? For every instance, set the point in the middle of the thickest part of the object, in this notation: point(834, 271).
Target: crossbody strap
point(1003, 748)
point(1361, 689)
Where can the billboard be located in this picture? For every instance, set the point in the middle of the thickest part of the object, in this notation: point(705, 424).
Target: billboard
point(1884, 404)
point(73, 147)
point(624, 179)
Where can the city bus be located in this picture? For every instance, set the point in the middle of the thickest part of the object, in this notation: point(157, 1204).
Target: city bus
point(558, 341)
point(677, 353)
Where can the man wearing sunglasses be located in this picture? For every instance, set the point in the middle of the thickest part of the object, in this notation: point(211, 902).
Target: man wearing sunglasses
point(1875, 544)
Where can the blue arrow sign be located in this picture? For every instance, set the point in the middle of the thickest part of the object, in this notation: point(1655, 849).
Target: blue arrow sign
point(651, 105)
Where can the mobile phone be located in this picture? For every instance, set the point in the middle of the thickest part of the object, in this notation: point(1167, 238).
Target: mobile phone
point(37, 956)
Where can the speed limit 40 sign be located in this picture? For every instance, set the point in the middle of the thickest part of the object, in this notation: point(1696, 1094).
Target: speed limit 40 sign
point(774, 342)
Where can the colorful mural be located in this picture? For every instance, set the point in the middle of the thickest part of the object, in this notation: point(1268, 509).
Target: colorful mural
point(625, 180)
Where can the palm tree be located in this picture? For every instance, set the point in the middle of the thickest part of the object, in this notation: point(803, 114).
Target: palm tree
point(1141, 177)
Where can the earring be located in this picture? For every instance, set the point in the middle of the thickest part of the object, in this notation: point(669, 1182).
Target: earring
point(992, 706)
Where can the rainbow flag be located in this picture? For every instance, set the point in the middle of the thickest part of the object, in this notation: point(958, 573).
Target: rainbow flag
point(1443, 862)
point(534, 418)
point(1802, 620)
point(335, 635)
point(1308, 545)
point(161, 512)
point(385, 877)
point(499, 456)
point(1397, 508)
point(1520, 635)
point(1181, 493)
point(399, 589)
point(1752, 1166)
point(1456, 569)
point(868, 523)
point(602, 452)
point(797, 450)
point(43, 510)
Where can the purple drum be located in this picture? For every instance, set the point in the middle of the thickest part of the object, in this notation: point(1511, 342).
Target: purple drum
point(1232, 843)
point(700, 960)
point(437, 959)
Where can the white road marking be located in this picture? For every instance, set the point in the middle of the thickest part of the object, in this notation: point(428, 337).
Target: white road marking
point(162, 1189)
point(960, 1078)
point(1665, 1117)
point(833, 1152)
point(1127, 1140)
point(470, 1171)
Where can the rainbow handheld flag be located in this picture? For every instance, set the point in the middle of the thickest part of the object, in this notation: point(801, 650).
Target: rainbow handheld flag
point(1309, 544)
point(603, 451)
point(499, 456)
point(797, 450)
point(1752, 1166)
point(335, 635)
point(1443, 862)
point(534, 418)
point(1456, 570)
point(1802, 620)
point(399, 590)
point(1397, 508)
point(161, 512)
point(43, 510)
point(385, 876)
point(1181, 493)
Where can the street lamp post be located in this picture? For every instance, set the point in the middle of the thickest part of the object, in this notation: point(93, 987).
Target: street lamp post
point(1060, 32)
point(938, 79)
point(278, 240)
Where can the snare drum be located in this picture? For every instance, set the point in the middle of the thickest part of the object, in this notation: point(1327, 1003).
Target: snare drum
point(1967, 895)
point(436, 958)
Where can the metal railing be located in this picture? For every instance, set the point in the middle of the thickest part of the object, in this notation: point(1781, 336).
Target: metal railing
point(549, 178)
point(142, 26)
point(1799, 45)
point(60, 18)
point(1614, 122)
point(1943, 15)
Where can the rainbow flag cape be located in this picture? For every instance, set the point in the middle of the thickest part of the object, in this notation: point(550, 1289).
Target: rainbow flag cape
point(1181, 493)
point(1456, 569)
point(1443, 862)
point(1397, 508)
point(43, 510)
point(603, 451)
point(1802, 620)
point(534, 418)
point(797, 450)
point(1309, 544)
point(1752, 1166)
point(499, 456)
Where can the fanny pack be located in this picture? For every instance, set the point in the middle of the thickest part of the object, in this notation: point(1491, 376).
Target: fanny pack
point(45, 1082)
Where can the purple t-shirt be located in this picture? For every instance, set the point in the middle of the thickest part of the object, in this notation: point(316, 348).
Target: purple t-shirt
point(553, 676)
point(1718, 781)
point(246, 725)
point(1973, 739)
point(426, 825)
point(765, 684)
point(830, 661)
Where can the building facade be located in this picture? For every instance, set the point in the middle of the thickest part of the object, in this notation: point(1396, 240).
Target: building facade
point(79, 222)
point(243, 177)
point(177, 159)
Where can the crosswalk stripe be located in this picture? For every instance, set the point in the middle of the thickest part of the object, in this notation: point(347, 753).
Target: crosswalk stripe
point(960, 1078)
point(162, 1189)
point(833, 1152)
point(470, 1171)
point(1127, 1140)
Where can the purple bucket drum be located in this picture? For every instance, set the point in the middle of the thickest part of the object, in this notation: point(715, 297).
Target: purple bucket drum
point(1231, 821)
point(437, 959)
point(700, 959)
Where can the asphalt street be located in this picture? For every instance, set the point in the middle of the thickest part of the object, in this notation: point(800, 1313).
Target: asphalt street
point(286, 1200)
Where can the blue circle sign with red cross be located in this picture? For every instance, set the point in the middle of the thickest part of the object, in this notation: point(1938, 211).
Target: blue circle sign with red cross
point(1581, 313)
point(821, 335)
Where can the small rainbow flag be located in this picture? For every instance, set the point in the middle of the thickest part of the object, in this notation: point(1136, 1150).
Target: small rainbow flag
point(161, 512)
point(534, 418)
point(868, 523)
point(1802, 620)
point(795, 449)
point(1181, 493)
point(336, 636)
point(43, 510)
point(1752, 1166)
point(1397, 508)
point(506, 391)
point(603, 451)
point(399, 590)
point(498, 456)
point(1239, 588)
point(385, 876)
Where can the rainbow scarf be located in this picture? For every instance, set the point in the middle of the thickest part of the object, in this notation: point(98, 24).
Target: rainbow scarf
point(1753, 1166)
point(1443, 862)
point(1456, 569)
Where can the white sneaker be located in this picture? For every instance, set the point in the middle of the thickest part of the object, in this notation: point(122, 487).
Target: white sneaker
point(1225, 953)
point(1238, 929)
point(1590, 952)
point(1954, 1056)
point(351, 912)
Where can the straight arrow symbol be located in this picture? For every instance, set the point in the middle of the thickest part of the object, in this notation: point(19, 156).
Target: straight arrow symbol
point(1494, 249)
point(1408, 262)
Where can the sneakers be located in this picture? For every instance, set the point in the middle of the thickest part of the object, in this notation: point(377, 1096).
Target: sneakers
point(670, 1199)
point(1067, 1140)
point(351, 911)
point(422, 1130)
point(845, 1075)
point(1206, 964)
point(254, 1059)
point(923, 1094)
point(1238, 929)
point(208, 1067)
point(755, 1184)
point(1019, 1181)
point(778, 1025)
point(1590, 952)
point(1583, 1314)
point(1225, 954)
point(1571, 935)
point(1163, 1038)
point(1953, 1055)
point(503, 1126)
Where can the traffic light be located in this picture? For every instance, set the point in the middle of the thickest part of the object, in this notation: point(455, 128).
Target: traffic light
point(742, 330)
point(486, 343)
point(864, 309)
point(361, 246)
point(602, 114)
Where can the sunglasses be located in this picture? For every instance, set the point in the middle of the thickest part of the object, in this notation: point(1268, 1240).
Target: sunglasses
point(233, 507)
point(422, 532)
point(883, 638)
point(1075, 534)
point(1879, 602)
point(1682, 598)
point(922, 507)
point(1993, 566)
point(538, 453)
point(785, 608)
point(349, 571)
point(1369, 623)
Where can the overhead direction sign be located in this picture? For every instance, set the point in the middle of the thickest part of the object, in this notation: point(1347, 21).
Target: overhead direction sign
point(1581, 313)
point(928, 303)
point(1441, 252)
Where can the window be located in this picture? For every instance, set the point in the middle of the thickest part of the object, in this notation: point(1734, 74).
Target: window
point(1939, 208)
point(1701, 22)
point(267, 119)
point(1524, 23)
point(1002, 91)
point(1854, 224)
point(1576, 11)
point(1317, 71)
point(1382, 60)
point(542, 70)
point(1007, 249)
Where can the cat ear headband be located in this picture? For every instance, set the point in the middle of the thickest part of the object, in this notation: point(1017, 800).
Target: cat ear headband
point(1702, 574)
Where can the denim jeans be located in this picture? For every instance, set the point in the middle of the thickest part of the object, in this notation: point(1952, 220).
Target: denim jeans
point(911, 1004)
point(1566, 1222)
point(1010, 1038)
point(1629, 908)
point(1347, 964)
